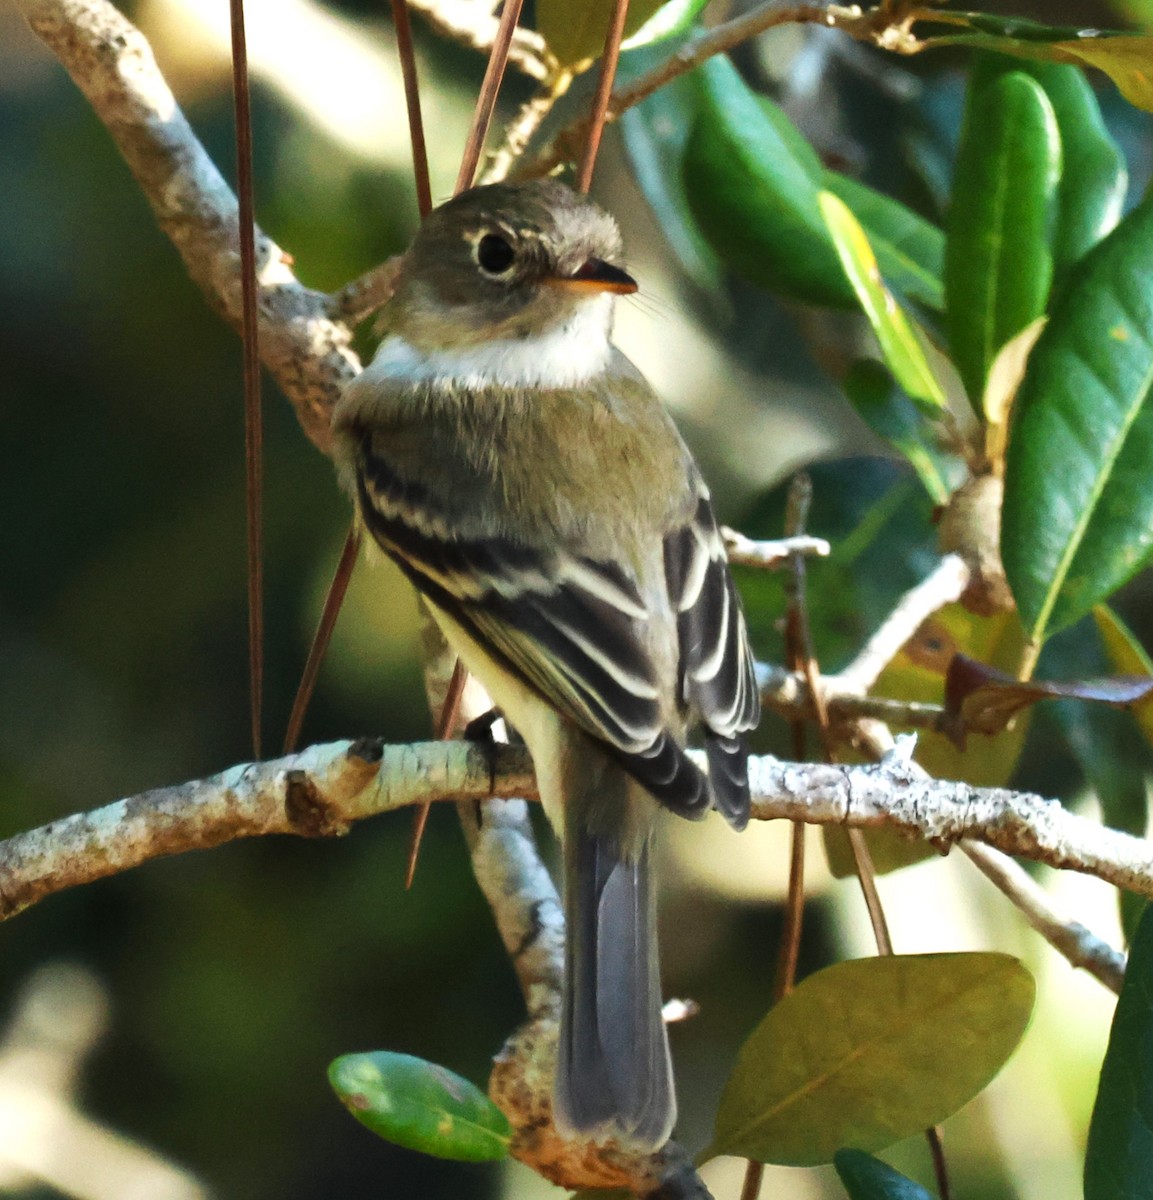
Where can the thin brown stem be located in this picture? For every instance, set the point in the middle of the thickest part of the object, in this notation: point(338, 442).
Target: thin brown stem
point(486, 99)
point(599, 111)
point(322, 637)
point(936, 1140)
point(407, 54)
point(253, 419)
point(796, 515)
point(519, 132)
point(471, 25)
point(445, 726)
point(338, 588)
point(754, 1176)
point(867, 875)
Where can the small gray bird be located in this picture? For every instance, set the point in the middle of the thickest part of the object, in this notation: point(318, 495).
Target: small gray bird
point(527, 480)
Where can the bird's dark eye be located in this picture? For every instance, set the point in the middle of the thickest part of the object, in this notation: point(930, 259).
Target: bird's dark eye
point(494, 254)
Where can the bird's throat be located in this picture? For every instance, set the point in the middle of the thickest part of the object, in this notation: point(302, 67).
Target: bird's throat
point(569, 354)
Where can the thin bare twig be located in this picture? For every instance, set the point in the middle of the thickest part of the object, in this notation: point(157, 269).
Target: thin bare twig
point(772, 553)
point(942, 586)
point(788, 693)
point(445, 726)
point(798, 655)
point(1070, 938)
point(337, 589)
point(798, 650)
point(754, 1177)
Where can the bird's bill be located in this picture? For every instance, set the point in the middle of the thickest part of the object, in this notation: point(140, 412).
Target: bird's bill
point(596, 275)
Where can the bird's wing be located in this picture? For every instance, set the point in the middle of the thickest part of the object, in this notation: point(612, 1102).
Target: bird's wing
point(716, 676)
point(570, 627)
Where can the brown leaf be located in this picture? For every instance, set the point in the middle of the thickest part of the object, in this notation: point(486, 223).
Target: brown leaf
point(981, 699)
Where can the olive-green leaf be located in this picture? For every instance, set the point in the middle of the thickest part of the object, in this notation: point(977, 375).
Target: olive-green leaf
point(420, 1105)
point(575, 30)
point(998, 257)
point(889, 412)
point(1128, 657)
point(1123, 57)
point(867, 1178)
point(902, 349)
point(1119, 1155)
point(754, 199)
point(1078, 516)
point(867, 1052)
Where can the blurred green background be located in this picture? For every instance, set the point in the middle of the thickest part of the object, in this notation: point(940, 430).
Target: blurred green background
point(233, 977)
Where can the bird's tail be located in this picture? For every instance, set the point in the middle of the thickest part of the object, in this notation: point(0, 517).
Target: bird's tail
point(614, 1075)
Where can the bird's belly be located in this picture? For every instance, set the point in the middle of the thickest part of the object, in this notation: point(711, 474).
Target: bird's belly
point(533, 719)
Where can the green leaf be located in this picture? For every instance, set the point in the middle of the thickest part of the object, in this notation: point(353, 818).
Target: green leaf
point(900, 345)
point(1119, 1156)
point(867, 1052)
point(998, 261)
point(576, 32)
point(890, 414)
point(754, 198)
point(1123, 57)
point(655, 134)
point(1078, 516)
point(752, 179)
point(1094, 178)
point(419, 1105)
point(867, 1178)
point(910, 250)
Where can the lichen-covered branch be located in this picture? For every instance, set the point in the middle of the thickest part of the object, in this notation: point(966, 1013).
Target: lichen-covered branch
point(305, 348)
point(321, 791)
point(316, 793)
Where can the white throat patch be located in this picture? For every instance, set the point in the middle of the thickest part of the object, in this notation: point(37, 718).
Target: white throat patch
point(567, 356)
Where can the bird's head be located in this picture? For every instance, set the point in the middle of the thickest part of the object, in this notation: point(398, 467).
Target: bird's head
point(508, 261)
